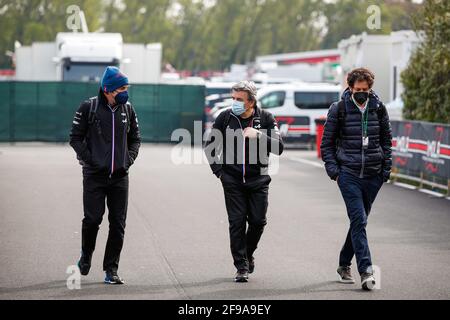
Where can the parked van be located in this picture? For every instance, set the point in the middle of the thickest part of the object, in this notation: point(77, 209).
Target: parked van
point(296, 106)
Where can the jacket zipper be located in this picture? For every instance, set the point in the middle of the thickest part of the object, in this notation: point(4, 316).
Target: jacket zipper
point(243, 161)
point(243, 146)
point(363, 160)
point(361, 174)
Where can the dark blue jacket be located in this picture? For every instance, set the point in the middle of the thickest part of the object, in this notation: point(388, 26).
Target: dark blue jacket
point(342, 148)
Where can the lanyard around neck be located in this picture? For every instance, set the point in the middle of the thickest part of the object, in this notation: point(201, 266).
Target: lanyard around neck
point(365, 115)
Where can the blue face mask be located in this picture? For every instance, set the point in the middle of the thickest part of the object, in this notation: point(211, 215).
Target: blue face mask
point(122, 98)
point(238, 107)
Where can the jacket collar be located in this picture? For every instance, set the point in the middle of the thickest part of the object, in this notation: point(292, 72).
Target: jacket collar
point(103, 101)
point(258, 112)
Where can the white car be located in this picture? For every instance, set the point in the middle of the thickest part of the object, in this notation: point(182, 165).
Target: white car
point(296, 106)
point(395, 109)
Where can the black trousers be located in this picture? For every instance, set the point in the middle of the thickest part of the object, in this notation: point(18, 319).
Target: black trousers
point(95, 190)
point(245, 202)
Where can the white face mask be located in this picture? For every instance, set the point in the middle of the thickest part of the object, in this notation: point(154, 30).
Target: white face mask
point(238, 107)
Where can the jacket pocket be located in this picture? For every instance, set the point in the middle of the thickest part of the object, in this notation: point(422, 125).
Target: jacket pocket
point(99, 159)
point(129, 161)
point(381, 154)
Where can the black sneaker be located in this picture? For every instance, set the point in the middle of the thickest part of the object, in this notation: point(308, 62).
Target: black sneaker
point(251, 265)
point(113, 278)
point(241, 276)
point(345, 275)
point(367, 281)
point(84, 264)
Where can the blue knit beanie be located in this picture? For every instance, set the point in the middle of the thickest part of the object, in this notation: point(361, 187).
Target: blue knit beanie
point(113, 79)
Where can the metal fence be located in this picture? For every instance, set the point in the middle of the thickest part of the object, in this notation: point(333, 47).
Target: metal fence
point(421, 155)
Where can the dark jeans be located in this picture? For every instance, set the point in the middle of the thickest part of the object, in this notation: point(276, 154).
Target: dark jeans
point(359, 195)
point(245, 203)
point(95, 191)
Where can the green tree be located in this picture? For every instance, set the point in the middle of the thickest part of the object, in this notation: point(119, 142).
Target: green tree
point(200, 34)
point(29, 21)
point(348, 17)
point(427, 78)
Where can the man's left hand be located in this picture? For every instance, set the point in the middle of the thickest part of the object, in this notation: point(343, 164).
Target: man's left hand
point(251, 133)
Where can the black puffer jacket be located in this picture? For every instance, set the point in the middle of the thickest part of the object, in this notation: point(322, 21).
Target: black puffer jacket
point(347, 153)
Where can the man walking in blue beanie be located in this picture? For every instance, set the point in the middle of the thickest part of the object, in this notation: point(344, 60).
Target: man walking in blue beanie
point(105, 136)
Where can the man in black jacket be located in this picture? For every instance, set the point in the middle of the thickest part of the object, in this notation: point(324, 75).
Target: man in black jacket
point(356, 149)
point(105, 136)
point(238, 151)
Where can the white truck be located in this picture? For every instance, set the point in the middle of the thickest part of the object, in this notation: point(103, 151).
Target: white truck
point(83, 56)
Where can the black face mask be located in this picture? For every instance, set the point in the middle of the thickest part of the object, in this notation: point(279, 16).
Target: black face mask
point(361, 97)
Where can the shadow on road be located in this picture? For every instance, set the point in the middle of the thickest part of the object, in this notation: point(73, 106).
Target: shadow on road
point(58, 290)
point(242, 293)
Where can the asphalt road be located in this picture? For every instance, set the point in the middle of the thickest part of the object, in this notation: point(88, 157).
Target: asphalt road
point(176, 243)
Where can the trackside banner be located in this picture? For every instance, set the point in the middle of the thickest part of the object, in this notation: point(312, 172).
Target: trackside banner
point(421, 147)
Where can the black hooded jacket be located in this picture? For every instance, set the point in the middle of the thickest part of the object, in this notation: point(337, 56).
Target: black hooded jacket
point(109, 145)
point(243, 159)
point(342, 148)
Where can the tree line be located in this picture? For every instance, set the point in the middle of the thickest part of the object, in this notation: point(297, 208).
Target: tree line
point(206, 34)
